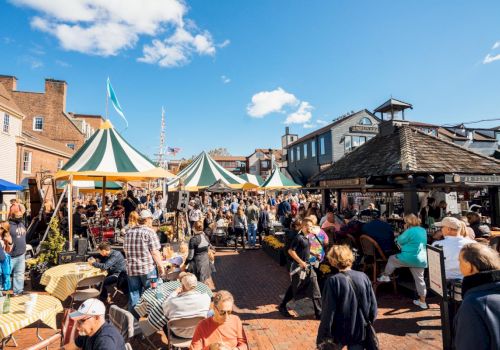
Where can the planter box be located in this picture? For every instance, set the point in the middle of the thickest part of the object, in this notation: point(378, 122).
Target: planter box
point(276, 254)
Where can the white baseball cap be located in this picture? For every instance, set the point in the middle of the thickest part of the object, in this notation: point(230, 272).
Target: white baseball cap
point(146, 214)
point(90, 307)
point(450, 222)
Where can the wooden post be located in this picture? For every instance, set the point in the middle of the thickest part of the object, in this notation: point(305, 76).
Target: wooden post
point(103, 208)
point(70, 212)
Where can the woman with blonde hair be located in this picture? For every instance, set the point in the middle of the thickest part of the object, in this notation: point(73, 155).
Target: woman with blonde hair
point(412, 243)
point(349, 304)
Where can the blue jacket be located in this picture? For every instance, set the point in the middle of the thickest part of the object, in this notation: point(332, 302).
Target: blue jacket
point(477, 324)
point(114, 263)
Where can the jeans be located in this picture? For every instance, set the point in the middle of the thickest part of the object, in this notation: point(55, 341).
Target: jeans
point(136, 286)
point(18, 267)
point(252, 234)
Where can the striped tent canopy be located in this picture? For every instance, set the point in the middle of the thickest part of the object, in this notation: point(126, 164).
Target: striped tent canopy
point(204, 172)
point(253, 179)
point(107, 154)
point(278, 181)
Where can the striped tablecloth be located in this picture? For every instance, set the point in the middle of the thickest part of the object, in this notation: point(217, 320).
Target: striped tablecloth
point(61, 281)
point(149, 305)
point(45, 310)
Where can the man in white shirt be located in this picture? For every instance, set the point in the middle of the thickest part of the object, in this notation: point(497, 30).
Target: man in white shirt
point(451, 245)
point(186, 302)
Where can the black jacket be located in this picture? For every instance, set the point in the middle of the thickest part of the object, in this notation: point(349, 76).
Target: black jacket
point(341, 319)
point(477, 324)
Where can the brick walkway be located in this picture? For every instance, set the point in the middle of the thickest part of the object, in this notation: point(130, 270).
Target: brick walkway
point(258, 284)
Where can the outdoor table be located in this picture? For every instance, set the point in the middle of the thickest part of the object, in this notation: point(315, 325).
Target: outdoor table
point(45, 310)
point(61, 281)
point(495, 233)
point(149, 305)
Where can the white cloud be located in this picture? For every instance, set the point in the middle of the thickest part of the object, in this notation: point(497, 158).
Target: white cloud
point(496, 45)
point(321, 122)
point(224, 43)
point(489, 58)
point(106, 27)
point(225, 79)
point(308, 126)
point(301, 116)
point(266, 102)
point(33, 62)
point(63, 63)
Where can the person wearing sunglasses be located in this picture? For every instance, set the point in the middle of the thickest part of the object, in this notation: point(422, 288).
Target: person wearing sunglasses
point(94, 332)
point(221, 331)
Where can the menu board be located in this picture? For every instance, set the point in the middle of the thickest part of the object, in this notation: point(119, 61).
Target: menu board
point(435, 261)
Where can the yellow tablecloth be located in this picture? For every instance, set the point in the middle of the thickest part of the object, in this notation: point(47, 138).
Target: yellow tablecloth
point(61, 281)
point(46, 309)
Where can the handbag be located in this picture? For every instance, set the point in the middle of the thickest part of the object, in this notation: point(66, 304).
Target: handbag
point(371, 341)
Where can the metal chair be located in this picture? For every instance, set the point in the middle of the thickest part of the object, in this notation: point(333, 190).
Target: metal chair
point(127, 325)
point(187, 324)
point(370, 248)
point(90, 291)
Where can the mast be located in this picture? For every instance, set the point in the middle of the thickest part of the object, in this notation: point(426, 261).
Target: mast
point(161, 156)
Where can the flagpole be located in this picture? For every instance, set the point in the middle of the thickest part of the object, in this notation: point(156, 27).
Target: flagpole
point(107, 97)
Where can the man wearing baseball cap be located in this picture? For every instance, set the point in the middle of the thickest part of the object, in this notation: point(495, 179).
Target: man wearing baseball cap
point(451, 245)
point(94, 332)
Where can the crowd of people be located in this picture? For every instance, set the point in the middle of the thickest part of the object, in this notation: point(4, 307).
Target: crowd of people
point(346, 304)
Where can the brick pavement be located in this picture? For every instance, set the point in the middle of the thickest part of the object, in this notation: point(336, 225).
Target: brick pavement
point(258, 283)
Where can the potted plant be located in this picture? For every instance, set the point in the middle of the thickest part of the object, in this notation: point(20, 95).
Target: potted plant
point(48, 256)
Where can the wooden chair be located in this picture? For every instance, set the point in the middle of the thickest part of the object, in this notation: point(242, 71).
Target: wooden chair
point(371, 249)
point(45, 343)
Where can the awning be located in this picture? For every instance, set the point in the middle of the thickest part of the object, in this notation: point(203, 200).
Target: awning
point(7, 186)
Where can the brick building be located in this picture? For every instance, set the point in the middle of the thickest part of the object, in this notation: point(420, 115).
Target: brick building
point(49, 135)
point(234, 164)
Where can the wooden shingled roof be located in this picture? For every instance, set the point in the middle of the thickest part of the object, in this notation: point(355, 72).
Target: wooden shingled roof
point(408, 150)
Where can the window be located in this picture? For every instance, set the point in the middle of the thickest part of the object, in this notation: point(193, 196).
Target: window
point(322, 145)
point(60, 164)
point(298, 153)
point(291, 155)
point(264, 164)
point(305, 150)
point(365, 121)
point(351, 142)
point(6, 123)
point(27, 162)
point(71, 145)
point(38, 124)
point(313, 148)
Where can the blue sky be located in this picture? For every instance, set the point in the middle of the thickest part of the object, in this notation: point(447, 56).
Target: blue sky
point(231, 73)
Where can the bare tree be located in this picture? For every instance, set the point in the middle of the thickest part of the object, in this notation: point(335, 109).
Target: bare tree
point(218, 152)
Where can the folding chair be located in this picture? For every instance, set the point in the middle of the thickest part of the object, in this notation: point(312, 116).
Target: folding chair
point(372, 250)
point(90, 291)
point(127, 325)
point(188, 325)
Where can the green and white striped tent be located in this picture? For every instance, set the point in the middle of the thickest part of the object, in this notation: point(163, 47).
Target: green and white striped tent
point(278, 181)
point(253, 179)
point(107, 155)
point(204, 172)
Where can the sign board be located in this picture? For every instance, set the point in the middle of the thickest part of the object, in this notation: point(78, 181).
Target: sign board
point(183, 202)
point(343, 182)
point(481, 179)
point(437, 279)
point(364, 128)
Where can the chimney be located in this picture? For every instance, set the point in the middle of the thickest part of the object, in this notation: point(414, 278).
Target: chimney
point(9, 82)
point(287, 130)
point(387, 127)
point(57, 89)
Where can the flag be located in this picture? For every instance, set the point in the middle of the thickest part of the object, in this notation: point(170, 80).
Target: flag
point(114, 101)
point(173, 150)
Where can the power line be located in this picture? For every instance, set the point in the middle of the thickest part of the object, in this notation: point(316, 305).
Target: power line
point(472, 122)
